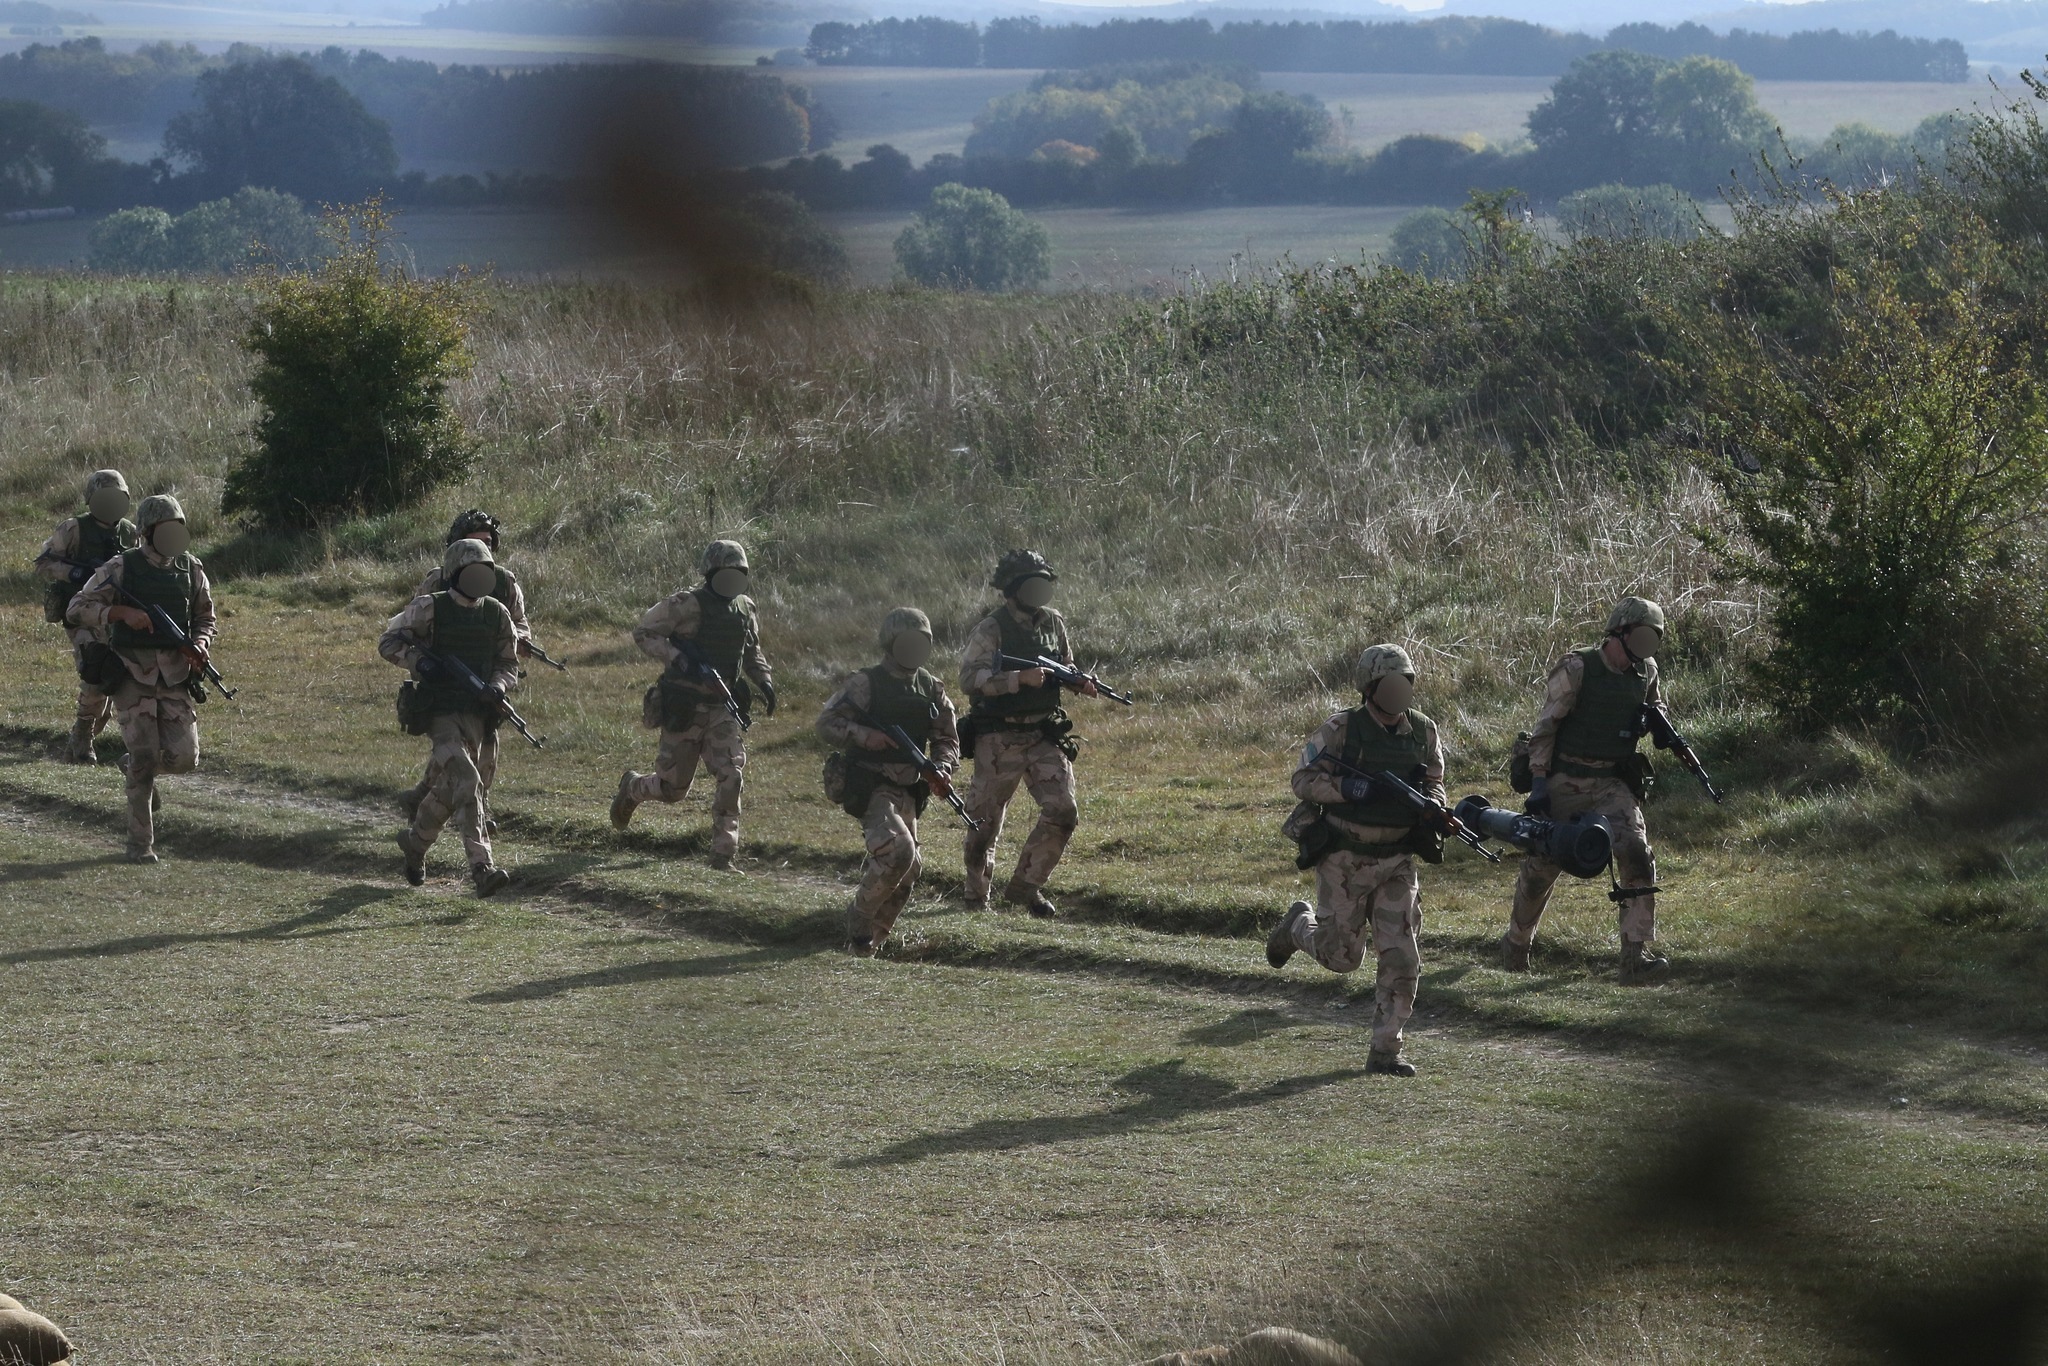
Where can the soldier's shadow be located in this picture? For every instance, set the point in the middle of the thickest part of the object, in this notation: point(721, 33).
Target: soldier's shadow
point(1162, 1093)
point(317, 921)
point(631, 974)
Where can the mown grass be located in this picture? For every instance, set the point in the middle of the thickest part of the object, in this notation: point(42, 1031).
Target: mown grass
point(636, 1110)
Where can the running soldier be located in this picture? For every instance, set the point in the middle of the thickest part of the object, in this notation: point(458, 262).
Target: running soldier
point(152, 681)
point(463, 623)
point(1583, 758)
point(1365, 879)
point(75, 549)
point(476, 525)
point(1016, 732)
point(885, 791)
point(707, 638)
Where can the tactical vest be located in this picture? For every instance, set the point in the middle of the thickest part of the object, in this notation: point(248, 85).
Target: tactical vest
point(97, 543)
point(911, 703)
point(1602, 725)
point(169, 587)
point(470, 634)
point(721, 632)
point(1369, 747)
point(1025, 641)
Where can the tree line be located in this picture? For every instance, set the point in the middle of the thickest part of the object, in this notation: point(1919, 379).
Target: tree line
point(1457, 45)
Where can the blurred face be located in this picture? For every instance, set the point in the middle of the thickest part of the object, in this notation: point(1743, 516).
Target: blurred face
point(911, 649)
point(1642, 641)
point(1035, 592)
point(729, 582)
point(1393, 693)
point(170, 538)
point(476, 580)
point(109, 505)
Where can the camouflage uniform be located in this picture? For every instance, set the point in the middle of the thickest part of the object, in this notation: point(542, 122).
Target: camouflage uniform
point(1012, 746)
point(1367, 882)
point(460, 729)
point(898, 791)
point(1580, 792)
point(695, 726)
point(154, 702)
point(90, 541)
point(514, 602)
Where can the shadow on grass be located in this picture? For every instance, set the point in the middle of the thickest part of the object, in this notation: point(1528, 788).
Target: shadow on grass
point(317, 922)
point(635, 974)
point(1163, 1093)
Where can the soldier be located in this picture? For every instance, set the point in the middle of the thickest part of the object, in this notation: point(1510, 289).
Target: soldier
point(154, 683)
point(1365, 882)
point(465, 622)
point(476, 525)
point(1582, 758)
point(713, 628)
point(78, 546)
point(884, 792)
point(1017, 732)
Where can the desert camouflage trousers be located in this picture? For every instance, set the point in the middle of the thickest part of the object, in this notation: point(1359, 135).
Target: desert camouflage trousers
point(717, 744)
point(161, 729)
point(1357, 895)
point(1002, 760)
point(457, 789)
point(1633, 862)
point(95, 708)
point(486, 770)
point(890, 833)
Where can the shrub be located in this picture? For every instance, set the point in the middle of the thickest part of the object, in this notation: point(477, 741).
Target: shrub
point(973, 239)
point(353, 364)
point(246, 230)
point(1433, 243)
point(131, 242)
point(1664, 212)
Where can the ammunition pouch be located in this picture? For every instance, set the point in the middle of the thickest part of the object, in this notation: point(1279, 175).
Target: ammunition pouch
point(1311, 834)
point(100, 667)
point(851, 784)
point(1520, 776)
point(1639, 775)
point(1315, 839)
point(414, 715)
point(57, 596)
point(675, 703)
point(1056, 730)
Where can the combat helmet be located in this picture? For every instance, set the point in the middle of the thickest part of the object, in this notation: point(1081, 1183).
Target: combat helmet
point(158, 507)
point(104, 479)
point(474, 524)
point(1018, 565)
point(723, 555)
point(1381, 661)
point(1631, 612)
point(900, 620)
point(461, 554)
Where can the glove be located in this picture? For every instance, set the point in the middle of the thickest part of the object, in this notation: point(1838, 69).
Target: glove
point(1356, 789)
point(79, 575)
point(1539, 796)
point(426, 666)
point(767, 697)
point(494, 695)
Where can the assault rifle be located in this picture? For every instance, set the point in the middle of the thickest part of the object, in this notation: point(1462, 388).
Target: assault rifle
point(536, 652)
point(935, 777)
point(1064, 676)
point(1655, 724)
point(1434, 814)
point(712, 680)
point(483, 692)
point(160, 623)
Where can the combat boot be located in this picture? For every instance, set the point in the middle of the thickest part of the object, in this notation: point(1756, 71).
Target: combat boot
point(1388, 1064)
point(1280, 945)
point(1639, 966)
point(861, 947)
point(1514, 957)
point(409, 801)
point(1032, 899)
point(78, 749)
point(489, 878)
point(721, 861)
point(140, 853)
point(415, 857)
point(623, 803)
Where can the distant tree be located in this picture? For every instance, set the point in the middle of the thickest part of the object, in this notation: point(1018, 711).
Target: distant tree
point(1601, 119)
point(1434, 242)
point(250, 228)
point(883, 178)
point(1623, 211)
point(1708, 119)
point(43, 152)
point(973, 239)
point(774, 234)
point(278, 124)
point(131, 242)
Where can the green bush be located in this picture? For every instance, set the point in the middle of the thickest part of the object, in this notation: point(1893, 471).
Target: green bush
point(250, 228)
point(1433, 242)
point(973, 239)
point(1664, 212)
point(353, 364)
point(131, 242)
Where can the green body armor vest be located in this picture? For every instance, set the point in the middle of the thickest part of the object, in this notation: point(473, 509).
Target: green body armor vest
point(1368, 746)
point(1603, 723)
point(1025, 642)
point(470, 634)
point(912, 703)
point(721, 632)
point(169, 587)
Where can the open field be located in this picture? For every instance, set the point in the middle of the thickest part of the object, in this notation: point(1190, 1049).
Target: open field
point(263, 1102)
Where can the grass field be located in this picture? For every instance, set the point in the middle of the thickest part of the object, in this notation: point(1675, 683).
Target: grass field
point(264, 1102)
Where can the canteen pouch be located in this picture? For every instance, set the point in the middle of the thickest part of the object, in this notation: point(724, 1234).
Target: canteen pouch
point(1637, 773)
point(1520, 778)
point(413, 717)
point(100, 667)
point(1310, 833)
